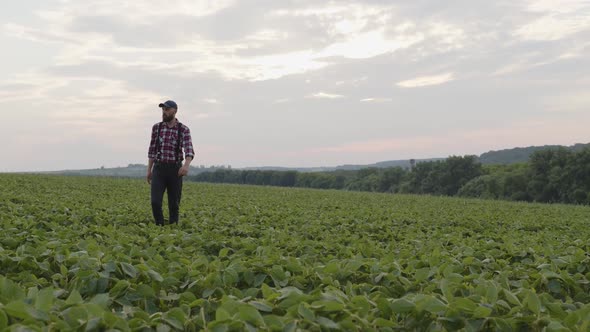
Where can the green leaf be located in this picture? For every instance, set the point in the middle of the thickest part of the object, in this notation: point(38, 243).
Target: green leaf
point(474, 325)
point(38, 314)
point(102, 300)
point(556, 326)
point(482, 312)
point(129, 269)
point(222, 315)
point(223, 252)
point(110, 267)
point(175, 318)
point(380, 322)
point(17, 309)
point(93, 324)
point(533, 303)
point(305, 312)
point(44, 299)
point(3, 320)
point(502, 324)
point(230, 277)
point(97, 310)
point(273, 322)
point(177, 314)
point(163, 328)
point(554, 286)
point(332, 268)
point(464, 304)
point(74, 298)
point(491, 292)
point(511, 298)
point(259, 279)
point(146, 291)
point(422, 274)
point(329, 305)
point(250, 314)
point(430, 304)
point(155, 275)
point(208, 292)
point(10, 291)
point(447, 289)
point(572, 319)
point(261, 306)
point(278, 275)
point(291, 296)
point(120, 287)
point(551, 275)
point(268, 293)
point(75, 316)
point(290, 327)
point(402, 306)
point(327, 323)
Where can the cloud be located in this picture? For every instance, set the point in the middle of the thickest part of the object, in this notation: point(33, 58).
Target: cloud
point(523, 133)
point(556, 19)
point(323, 95)
point(557, 6)
point(260, 69)
point(368, 44)
point(376, 146)
point(553, 27)
point(37, 35)
point(138, 11)
point(282, 100)
point(426, 81)
point(352, 82)
point(132, 35)
point(375, 100)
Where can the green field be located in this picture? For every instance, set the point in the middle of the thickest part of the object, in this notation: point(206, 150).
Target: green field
point(83, 254)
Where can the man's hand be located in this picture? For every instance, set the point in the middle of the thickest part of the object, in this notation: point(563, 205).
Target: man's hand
point(149, 177)
point(183, 171)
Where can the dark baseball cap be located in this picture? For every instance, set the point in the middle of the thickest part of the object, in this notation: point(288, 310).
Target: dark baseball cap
point(168, 104)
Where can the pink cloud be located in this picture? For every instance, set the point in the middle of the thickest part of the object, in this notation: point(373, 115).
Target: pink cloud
point(466, 142)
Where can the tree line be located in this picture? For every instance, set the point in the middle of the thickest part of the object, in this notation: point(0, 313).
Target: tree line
point(550, 176)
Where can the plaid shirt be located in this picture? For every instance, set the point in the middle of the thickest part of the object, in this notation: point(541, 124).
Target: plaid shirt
point(168, 143)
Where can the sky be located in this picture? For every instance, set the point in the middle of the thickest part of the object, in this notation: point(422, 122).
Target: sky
point(290, 83)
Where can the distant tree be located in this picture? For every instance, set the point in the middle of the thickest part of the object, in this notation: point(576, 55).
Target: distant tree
point(548, 180)
point(391, 179)
point(442, 177)
point(457, 171)
point(551, 175)
point(484, 186)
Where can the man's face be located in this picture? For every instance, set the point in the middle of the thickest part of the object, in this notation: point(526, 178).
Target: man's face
point(168, 114)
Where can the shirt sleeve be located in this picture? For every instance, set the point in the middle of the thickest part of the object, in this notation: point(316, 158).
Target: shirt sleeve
point(187, 144)
point(152, 148)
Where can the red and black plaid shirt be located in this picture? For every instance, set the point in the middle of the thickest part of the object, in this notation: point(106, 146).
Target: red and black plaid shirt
point(169, 143)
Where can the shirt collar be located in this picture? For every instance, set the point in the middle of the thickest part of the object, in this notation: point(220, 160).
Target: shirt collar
point(175, 123)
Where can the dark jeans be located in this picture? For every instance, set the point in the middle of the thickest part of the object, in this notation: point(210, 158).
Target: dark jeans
point(165, 178)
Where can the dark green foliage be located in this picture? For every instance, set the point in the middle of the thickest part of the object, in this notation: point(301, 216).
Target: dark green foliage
point(521, 155)
point(443, 177)
point(437, 177)
point(551, 176)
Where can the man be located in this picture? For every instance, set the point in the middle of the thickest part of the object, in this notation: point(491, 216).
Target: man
point(165, 168)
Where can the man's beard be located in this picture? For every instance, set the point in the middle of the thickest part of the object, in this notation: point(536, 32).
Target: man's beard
point(167, 118)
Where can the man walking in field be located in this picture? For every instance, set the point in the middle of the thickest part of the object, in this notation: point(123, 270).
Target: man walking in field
point(165, 167)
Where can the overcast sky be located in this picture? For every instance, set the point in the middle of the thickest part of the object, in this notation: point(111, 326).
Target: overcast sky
point(290, 83)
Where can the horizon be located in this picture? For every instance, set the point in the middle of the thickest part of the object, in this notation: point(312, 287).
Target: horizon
point(291, 84)
point(293, 167)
